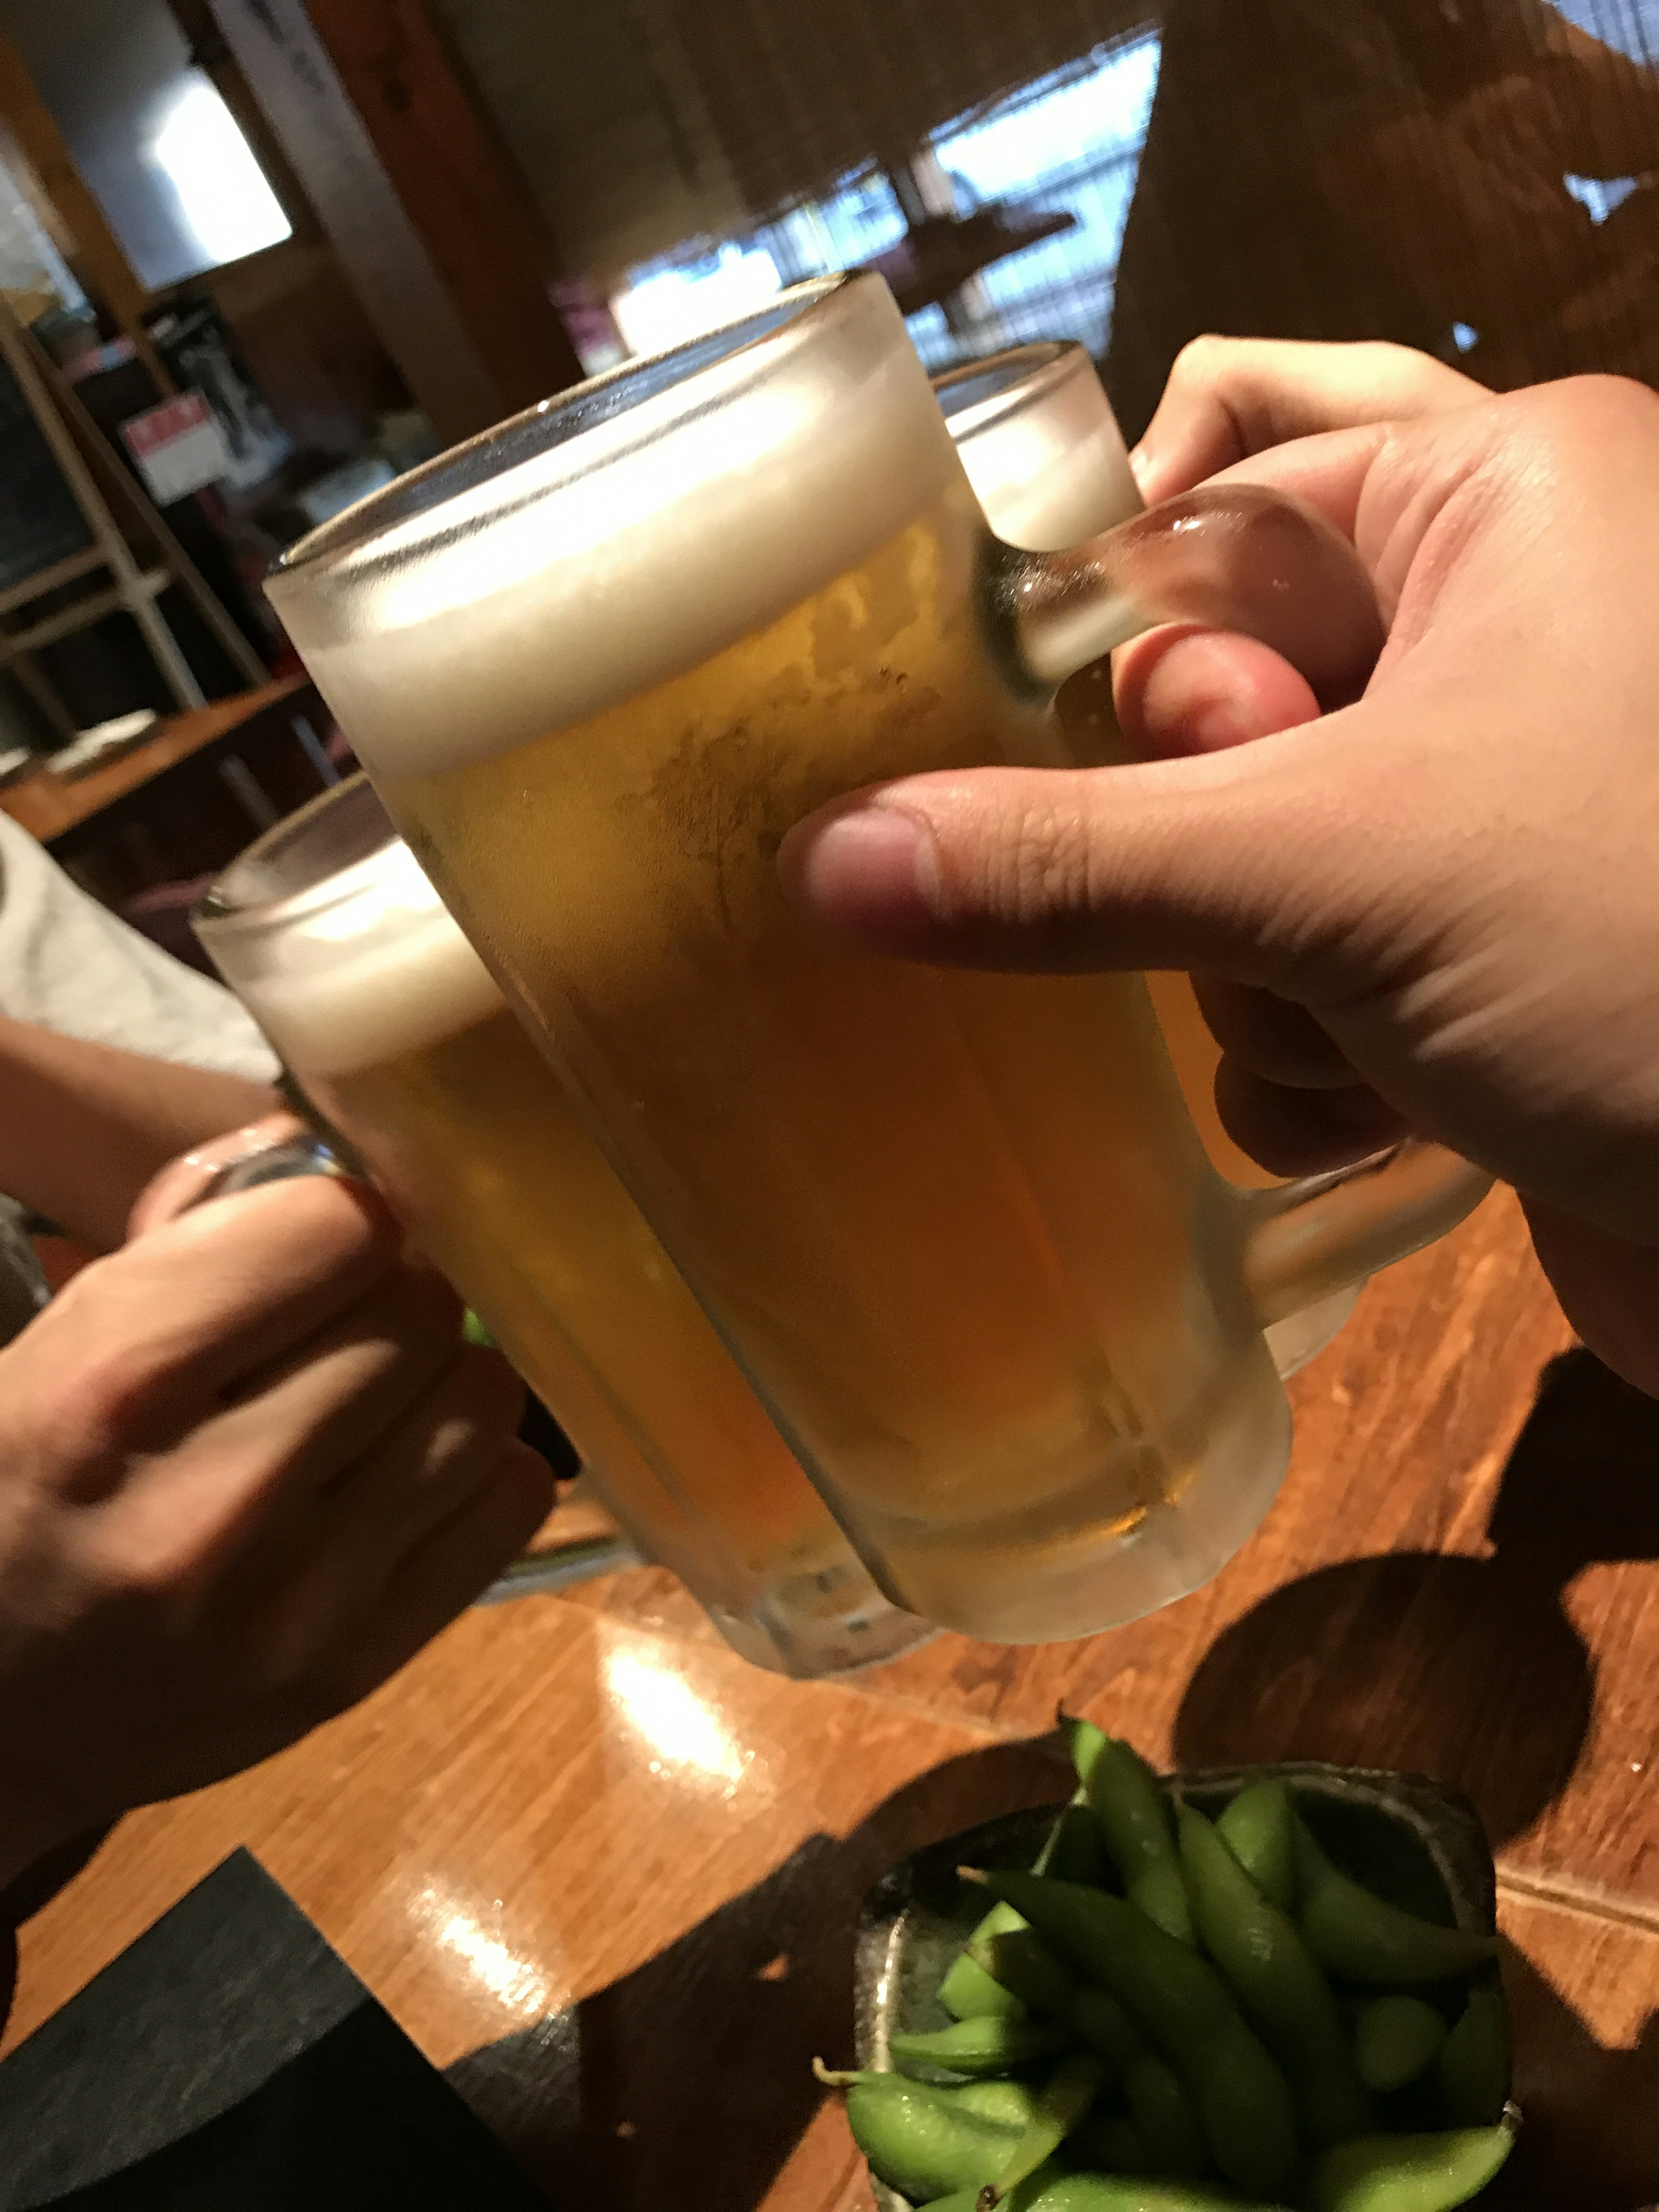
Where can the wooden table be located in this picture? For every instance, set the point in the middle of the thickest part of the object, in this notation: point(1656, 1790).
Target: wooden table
point(49, 807)
point(606, 1875)
point(187, 799)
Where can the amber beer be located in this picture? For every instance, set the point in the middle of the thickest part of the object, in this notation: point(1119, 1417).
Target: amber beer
point(398, 1037)
point(959, 1227)
point(885, 1183)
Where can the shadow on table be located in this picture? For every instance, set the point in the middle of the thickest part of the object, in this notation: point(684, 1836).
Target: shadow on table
point(689, 2081)
point(1468, 1670)
point(1589, 2141)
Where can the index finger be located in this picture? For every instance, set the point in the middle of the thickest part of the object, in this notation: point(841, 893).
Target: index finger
point(1229, 398)
point(177, 1318)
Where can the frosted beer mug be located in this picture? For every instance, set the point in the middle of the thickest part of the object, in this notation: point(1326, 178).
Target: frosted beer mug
point(957, 1228)
point(1036, 433)
point(389, 1021)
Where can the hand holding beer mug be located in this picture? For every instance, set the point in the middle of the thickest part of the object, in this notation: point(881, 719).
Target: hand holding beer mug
point(956, 1227)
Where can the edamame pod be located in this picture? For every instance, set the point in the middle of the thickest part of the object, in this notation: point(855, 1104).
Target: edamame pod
point(1364, 1939)
point(1003, 2104)
point(996, 2044)
point(1086, 1742)
point(1062, 2102)
point(916, 2140)
point(1397, 2040)
point(1273, 1974)
point(1256, 1829)
point(1474, 2065)
point(1408, 2173)
point(1109, 2144)
point(1184, 2007)
point(1133, 1813)
point(1076, 1850)
point(969, 1992)
point(1109, 2192)
point(1021, 2199)
point(1244, 2109)
point(1164, 2118)
point(1106, 2028)
point(1017, 1959)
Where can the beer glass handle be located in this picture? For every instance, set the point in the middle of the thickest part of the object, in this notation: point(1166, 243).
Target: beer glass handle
point(1230, 557)
point(1238, 557)
point(1310, 1238)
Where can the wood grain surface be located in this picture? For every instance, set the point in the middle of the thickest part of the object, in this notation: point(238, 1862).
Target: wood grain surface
point(606, 1875)
point(49, 805)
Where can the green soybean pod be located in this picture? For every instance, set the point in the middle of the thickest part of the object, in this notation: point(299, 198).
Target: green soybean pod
point(1164, 2118)
point(1003, 2104)
point(1062, 2102)
point(1020, 2199)
point(1364, 1939)
point(1133, 1813)
point(1086, 1742)
point(1018, 1959)
point(1244, 2108)
point(1183, 2005)
point(1110, 2143)
point(1073, 1851)
point(1475, 2063)
point(1397, 2040)
point(1408, 2173)
point(1107, 2192)
point(1106, 2028)
point(914, 2139)
point(996, 2044)
point(1270, 1970)
point(1256, 1829)
point(968, 1991)
point(1076, 1850)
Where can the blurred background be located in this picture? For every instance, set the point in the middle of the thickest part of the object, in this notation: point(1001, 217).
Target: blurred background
point(257, 257)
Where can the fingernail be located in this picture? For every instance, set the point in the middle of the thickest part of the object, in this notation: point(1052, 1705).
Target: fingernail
point(1140, 466)
point(870, 862)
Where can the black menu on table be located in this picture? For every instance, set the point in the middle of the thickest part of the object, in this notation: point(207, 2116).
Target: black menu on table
point(231, 2059)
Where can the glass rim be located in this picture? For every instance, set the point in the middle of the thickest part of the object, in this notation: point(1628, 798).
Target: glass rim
point(223, 911)
point(409, 514)
point(1017, 377)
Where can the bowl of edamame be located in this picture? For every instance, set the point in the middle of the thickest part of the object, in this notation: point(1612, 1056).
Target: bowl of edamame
point(1275, 1988)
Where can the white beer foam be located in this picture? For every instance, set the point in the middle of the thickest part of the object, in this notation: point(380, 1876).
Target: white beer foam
point(383, 970)
point(1051, 471)
point(620, 558)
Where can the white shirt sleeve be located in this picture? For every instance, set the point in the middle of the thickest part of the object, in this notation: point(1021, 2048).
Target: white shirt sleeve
point(69, 965)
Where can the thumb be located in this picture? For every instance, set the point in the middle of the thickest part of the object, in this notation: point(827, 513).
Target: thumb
point(1250, 864)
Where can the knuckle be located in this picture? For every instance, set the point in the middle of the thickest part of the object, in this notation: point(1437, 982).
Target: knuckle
point(1200, 360)
point(1044, 869)
point(1586, 412)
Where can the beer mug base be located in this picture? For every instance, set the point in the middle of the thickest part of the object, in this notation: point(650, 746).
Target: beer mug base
point(1302, 1336)
point(818, 1625)
point(784, 1637)
point(1078, 1584)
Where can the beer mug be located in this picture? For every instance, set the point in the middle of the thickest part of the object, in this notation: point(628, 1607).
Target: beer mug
point(393, 1032)
point(1041, 445)
point(957, 1228)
